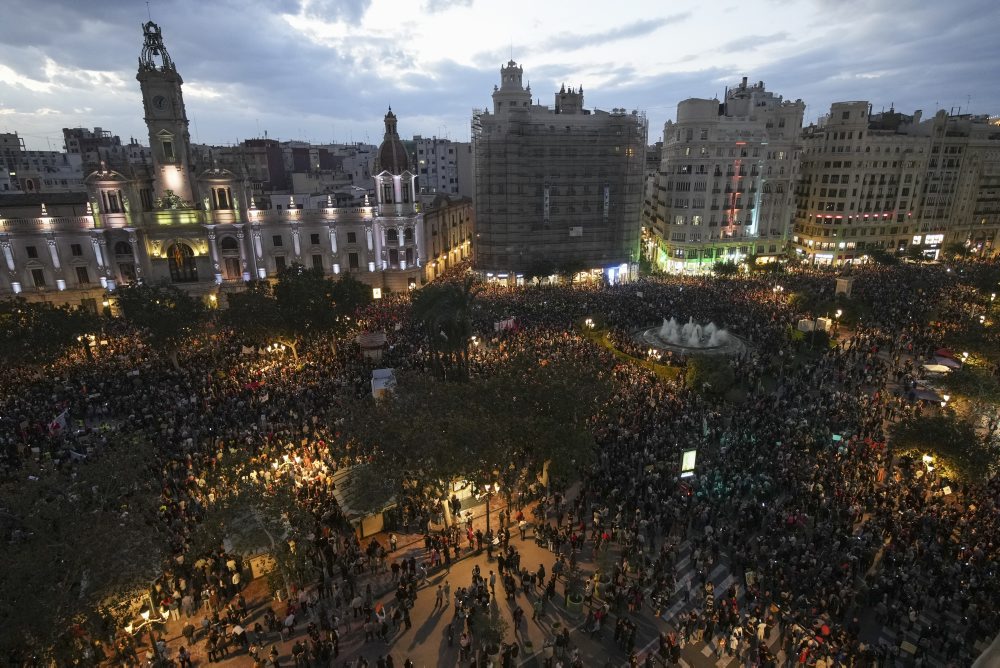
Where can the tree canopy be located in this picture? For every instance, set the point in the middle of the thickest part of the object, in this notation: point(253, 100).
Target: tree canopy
point(167, 314)
point(509, 428)
point(302, 303)
point(948, 437)
point(710, 373)
point(71, 548)
point(444, 310)
point(37, 332)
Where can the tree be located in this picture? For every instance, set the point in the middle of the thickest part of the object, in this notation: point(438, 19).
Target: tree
point(956, 250)
point(725, 269)
point(948, 437)
point(349, 295)
point(444, 311)
point(166, 313)
point(883, 257)
point(540, 268)
point(709, 373)
point(914, 253)
point(511, 428)
point(570, 268)
point(38, 332)
point(303, 303)
point(73, 547)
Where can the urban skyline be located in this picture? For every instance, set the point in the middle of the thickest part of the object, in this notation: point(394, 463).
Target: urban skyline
point(436, 61)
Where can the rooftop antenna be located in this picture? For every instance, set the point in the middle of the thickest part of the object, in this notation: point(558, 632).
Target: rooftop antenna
point(148, 13)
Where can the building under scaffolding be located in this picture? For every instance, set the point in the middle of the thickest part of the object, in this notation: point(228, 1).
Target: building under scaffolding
point(558, 189)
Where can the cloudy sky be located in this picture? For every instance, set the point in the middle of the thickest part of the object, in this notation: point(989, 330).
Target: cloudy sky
point(325, 70)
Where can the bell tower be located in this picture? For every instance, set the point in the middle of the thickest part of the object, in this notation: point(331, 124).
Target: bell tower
point(166, 118)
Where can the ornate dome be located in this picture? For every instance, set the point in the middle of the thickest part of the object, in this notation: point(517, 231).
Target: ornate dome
point(392, 155)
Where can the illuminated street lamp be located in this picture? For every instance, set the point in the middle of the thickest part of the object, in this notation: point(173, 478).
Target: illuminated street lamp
point(491, 489)
point(148, 620)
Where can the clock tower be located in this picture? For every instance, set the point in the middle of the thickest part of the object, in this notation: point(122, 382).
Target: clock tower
point(163, 103)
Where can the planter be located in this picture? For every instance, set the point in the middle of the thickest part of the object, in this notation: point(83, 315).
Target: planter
point(575, 604)
point(603, 582)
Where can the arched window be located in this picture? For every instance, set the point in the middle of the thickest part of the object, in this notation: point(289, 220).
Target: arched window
point(408, 235)
point(181, 260)
point(229, 246)
point(391, 235)
point(123, 248)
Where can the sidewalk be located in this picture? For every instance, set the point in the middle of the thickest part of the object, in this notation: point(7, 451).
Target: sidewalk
point(258, 598)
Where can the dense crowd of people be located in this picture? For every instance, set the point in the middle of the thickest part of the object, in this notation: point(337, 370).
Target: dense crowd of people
point(828, 534)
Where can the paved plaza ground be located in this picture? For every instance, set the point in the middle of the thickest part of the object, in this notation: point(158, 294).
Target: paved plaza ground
point(426, 642)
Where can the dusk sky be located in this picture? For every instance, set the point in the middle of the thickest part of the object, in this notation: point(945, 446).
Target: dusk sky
point(325, 70)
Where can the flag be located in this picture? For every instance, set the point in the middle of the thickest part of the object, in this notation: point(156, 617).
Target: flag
point(59, 423)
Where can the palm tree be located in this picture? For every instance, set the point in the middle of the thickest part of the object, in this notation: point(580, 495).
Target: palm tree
point(445, 312)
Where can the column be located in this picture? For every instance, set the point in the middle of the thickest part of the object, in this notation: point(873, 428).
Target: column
point(54, 254)
point(213, 252)
point(243, 253)
point(296, 245)
point(258, 252)
point(109, 270)
point(333, 249)
point(101, 266)
point(372, 248)
point(133, 240)
point(8, 255)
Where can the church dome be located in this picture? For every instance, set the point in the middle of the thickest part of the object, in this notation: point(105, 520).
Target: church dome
point(392, 156)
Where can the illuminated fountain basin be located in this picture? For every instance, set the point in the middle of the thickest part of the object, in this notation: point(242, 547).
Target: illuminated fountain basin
point(691, 338)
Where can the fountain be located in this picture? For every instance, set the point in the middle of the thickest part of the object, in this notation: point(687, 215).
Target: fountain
point(691, 338)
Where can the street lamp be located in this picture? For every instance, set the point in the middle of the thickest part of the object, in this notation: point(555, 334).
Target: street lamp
point(491, 489)
point(148, 620)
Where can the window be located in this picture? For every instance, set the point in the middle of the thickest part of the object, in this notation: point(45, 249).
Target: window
point(314, 239)
point(392, 236)
point(279, 263)
point(180, 259)
point(38, 277)
point(276, 241)
point(76, 250)
point(82, 277)
point(317, 261)
point(168, 151)
point(387, 193)
point(352, 237)
point(408, 235)
point(31, 251)
point(352, 260)
point(146, 197)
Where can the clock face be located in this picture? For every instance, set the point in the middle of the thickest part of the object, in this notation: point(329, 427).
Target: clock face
point(159, 102)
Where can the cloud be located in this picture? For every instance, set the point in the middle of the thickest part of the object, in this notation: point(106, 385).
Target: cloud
point(754, 42)
point(436, 6)
point(570, 41)
point(325, 69)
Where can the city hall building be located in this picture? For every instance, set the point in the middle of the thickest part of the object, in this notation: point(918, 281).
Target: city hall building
point(195, 224)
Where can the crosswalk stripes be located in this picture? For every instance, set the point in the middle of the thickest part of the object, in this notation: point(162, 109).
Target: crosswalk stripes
point(722, 578)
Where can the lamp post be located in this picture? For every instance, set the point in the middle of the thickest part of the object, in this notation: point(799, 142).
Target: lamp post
point(491, 488)
point(148, 620)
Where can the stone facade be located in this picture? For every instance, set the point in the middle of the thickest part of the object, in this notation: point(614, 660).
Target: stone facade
point(890, 181)
point(448, 230)
point(725, 187)
point(197, 225)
